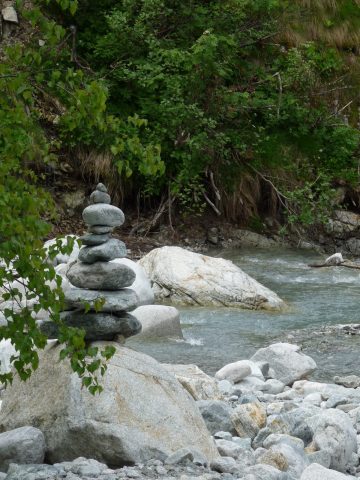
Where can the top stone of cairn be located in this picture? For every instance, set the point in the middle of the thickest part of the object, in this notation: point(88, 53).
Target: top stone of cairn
point(101, 213)
point(100, 195)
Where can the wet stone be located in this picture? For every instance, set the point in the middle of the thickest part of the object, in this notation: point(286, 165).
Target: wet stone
point(100, 276)
point(103, 253)
point(97, 326)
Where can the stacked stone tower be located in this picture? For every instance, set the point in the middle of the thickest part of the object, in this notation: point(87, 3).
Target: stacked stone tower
point(97, 281)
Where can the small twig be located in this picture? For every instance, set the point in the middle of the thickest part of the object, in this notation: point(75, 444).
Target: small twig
point(277, 74)
point(216, 210)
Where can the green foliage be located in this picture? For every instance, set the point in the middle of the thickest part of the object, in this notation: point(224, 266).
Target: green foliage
point(218, 93)
point(47, 105)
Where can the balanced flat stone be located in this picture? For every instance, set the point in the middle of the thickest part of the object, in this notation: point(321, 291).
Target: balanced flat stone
point(120, 301)
point(103, 214)
point(100, 229)
point(93, 239)
point(97, 326)
point(100, 276)
point(101, 188)
point(100, 197)
point(103, 253)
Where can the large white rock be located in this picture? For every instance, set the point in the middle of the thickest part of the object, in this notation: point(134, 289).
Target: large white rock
point(60, 257)
point(7, 350)
point(200, 385)
point(317, 472)
point(286, 361)
point(23, 445)
point(141, 285)
point(158, 321)
point(142, 413)
point(237, 371)
point(333, 432)
point(185, 277)
point(327, 390)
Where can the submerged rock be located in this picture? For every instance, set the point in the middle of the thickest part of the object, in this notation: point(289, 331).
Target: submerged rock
point(185, 277)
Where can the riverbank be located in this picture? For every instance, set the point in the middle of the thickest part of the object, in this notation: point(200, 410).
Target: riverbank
point(265, 421)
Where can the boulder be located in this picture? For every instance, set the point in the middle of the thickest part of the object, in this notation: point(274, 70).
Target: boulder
point(264, 472)
point(185, 277)
point(286, 361)
point(7, 350)
point(141, 285)
point(217, 415)
point(60, 257)
point(336, 259)
point(23, 445)
point(318, 472)
point(234, 372)
point(143, 412)
point(104, 215)
point(349, 381)
point(333, 432)
point(104, 252)
point(158, 321)
point(100, 276)
point(195, 381)
point(247, 238)
point(248, 419)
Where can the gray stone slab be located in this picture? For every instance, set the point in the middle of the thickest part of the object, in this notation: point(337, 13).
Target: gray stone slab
point(98, 326)
point(120, 301)
point(103, 214)
point(103, 253)
point(100, 276)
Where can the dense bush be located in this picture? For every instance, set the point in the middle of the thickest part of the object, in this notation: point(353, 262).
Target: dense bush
point(221, 93)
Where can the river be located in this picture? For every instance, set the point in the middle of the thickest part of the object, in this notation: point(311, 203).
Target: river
point(318, 300)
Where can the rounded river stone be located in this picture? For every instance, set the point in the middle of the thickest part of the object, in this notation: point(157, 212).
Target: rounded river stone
point(97, 326)
point(94, 239)
point(100, 276)
point(100, 229)
point(101, 187)
point(103, 253)
point(100, 197)
point(120, 301)
point(103, 214)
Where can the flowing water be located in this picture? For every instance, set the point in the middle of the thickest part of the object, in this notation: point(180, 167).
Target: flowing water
point(319, 300)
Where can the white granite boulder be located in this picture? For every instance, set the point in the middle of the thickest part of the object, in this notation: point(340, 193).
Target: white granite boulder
point(143, 412)
point(24, 445)
point(158, 321)
point(287, 362)
point(141, 284)
point(185, 277)
point(318, 472)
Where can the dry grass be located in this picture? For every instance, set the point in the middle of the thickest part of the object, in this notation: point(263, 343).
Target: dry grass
point(314, 22)
point(99, 167)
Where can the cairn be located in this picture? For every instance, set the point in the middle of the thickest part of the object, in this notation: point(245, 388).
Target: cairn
point(96, 280)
